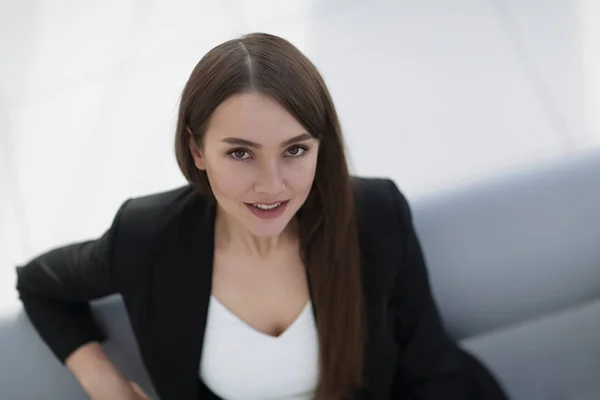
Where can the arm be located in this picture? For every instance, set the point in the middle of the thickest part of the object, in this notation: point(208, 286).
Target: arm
point(99, 377)
point(432, 366)
point(55, 289)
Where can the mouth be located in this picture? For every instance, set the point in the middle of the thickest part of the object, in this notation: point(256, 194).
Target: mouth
point(268, 210)
point(268, 206)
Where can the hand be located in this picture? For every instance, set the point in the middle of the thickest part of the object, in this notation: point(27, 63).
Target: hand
point(125, 391)
point(139, 393)
point(98, 376)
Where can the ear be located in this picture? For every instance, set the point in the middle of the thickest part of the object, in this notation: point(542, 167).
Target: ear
point(195, 151)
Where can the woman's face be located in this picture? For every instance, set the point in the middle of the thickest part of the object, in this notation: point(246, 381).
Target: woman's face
point(260, 162)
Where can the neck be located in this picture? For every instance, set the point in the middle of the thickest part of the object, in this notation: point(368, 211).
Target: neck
point(230, 235)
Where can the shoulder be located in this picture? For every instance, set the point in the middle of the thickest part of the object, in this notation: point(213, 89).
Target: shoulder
point(141, 227)
point(380, 206)
point(157, 207)
point(143, 220)
point(384, 230)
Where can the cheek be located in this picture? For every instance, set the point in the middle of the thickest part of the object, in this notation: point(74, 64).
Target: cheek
point(226, 181)
point(301, 176)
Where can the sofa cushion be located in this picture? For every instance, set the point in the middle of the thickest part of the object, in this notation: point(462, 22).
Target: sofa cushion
point(556, 357)
point(514, 246)
point(29, 370)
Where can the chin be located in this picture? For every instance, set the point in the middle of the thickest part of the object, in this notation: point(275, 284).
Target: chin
point(267, 229)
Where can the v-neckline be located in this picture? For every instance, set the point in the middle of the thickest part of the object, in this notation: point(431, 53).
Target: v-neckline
point(181, 287)
point(301, 315)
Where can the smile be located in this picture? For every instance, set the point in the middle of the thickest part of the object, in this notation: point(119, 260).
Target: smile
point(268, 210)
point(267, 206)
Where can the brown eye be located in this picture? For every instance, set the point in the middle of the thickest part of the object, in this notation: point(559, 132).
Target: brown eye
point(239, 154)
point(296, 151)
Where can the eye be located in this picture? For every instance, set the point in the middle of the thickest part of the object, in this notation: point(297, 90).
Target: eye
point(239, 154)
point(297, 151)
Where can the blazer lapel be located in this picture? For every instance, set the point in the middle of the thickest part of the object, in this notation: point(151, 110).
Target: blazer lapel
point(182, 282)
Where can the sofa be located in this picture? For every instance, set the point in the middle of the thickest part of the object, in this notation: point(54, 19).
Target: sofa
point(518, 286)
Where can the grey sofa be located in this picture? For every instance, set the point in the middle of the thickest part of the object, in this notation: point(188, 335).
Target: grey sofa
point(519, 286)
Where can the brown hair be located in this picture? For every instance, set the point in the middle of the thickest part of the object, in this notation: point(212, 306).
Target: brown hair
point(270, 65)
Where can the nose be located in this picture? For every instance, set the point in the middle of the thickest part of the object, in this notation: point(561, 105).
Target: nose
point(270, 180)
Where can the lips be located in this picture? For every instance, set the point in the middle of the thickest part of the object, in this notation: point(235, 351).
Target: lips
point(268, 210)
point(268, 203)
point(269, 206)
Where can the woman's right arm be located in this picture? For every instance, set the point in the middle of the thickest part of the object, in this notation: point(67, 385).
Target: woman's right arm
point(99, 377)
point(55, 289)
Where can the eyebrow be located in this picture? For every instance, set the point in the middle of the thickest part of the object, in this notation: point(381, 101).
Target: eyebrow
point(244, 142)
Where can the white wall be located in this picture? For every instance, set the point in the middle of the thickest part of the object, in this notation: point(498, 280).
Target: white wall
point(430, 93)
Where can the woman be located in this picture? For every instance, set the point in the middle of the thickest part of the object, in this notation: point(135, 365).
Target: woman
point(273, 274)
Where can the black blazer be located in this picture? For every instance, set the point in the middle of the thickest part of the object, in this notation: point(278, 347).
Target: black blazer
point(158, 255)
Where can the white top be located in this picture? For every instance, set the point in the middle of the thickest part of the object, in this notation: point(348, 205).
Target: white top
point(240, 362)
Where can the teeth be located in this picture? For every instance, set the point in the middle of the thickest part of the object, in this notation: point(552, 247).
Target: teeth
point(267, 207)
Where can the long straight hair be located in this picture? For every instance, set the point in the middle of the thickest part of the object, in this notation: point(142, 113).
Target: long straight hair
point(270, 65)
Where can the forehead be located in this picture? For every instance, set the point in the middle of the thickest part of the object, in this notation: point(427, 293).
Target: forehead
point(253, 116)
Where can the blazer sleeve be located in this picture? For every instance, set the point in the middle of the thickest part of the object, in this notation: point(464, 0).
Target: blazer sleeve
point(56, 287)
point(431, 365)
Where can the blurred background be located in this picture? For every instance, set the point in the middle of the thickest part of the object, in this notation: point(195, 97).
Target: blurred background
point(431, 93)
